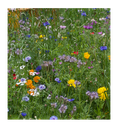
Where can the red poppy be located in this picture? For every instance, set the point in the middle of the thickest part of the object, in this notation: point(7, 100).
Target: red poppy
point(76, 53)
point(14, 77)
point(92, 33)
point(14, 74)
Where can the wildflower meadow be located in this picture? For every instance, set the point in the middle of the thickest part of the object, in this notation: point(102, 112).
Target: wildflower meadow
point(58, 63)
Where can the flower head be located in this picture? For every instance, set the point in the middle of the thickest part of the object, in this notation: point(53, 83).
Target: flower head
point(71, 82)
point(38, 68)
point(41, 87)
point(62, 109)
point(18, 52)
point(103, 48)
point(83, 13)
point(56, 79)
point(23, 114)
point(36, 79)
point(46, 23)
point(27, 59)
point(86, 55)
point(25, 98)
point(53, 118)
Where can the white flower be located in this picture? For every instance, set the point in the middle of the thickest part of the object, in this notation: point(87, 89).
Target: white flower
point(32, 73)
point(49, 96)
point(103, 34)
point(58, 35)
point(23, 66)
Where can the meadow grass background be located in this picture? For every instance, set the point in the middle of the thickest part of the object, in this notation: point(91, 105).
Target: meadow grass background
point(78, 39)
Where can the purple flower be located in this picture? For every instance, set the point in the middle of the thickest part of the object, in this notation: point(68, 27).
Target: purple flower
point(103, 48)
point(23, 79)
point(61, 17)
point(54, 105)
point(56, 79)
point(89, 67)
point(46, 23)
point(25, 98)
point(38, 68)
point(27, 58)
point(23, 114)
point(41, 87)
point(53, 118)
point(18, 52)
point(62, 109)
point(83, 13)
point(92, 95)
point(99, 33)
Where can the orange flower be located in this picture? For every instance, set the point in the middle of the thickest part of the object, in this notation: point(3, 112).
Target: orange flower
point(17, 85)
point(36, 78)
point(31, 86)
point(30, 72)
point(30, 92)
point(28, 82)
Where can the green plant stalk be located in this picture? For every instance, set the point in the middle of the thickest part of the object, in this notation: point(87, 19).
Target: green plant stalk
point(89, 108)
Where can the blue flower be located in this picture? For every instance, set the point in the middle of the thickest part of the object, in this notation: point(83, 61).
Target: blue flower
point(38, 68)
point(25, 98)
point(68, 33)
point(107, 11)
point(57, 79)
point(50, 36)
point(51, 18)
point(55, 39)
point(23, 114)
point(70, 100)
point(28, 36)
point(47, 51)
point(103, 48)
point(83, 13)
point(106, 17)
point(53, 118)
point(46, 23)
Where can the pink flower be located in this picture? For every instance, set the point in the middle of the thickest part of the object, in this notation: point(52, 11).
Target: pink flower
point(62, 27)
point(91, 66)
point(60, 62)
point(37, 73)
point(99, 33)
point(88, 67)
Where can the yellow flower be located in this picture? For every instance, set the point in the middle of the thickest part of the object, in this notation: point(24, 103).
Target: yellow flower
point(86, 55)
point(101, 90)
point(36, 41)
point(42, 40)
point(109, 57)
point(71, 82)
point(41, 36)
point(72, 53)
point(103, 96)
point(39, 52)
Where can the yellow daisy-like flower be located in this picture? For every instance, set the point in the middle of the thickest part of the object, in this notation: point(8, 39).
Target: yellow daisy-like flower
point(109, 57)
point(86, 55)
point(101, 90)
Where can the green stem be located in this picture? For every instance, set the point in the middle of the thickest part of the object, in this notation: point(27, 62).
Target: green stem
point(89, 108)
